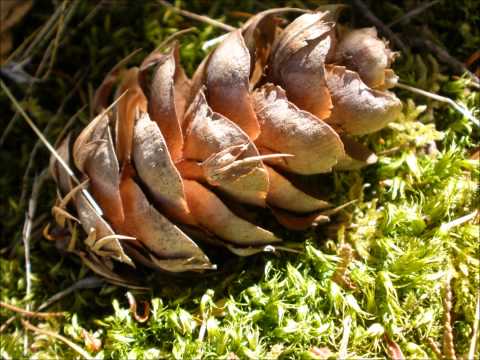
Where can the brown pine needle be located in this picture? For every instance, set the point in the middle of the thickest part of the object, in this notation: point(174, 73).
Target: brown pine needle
point(460, 108)
point(6, 323)
point(434, 347)
point(448, 344)
point(27, 313)
point(201, 18)
point(414, 12)
point(52, 150)
point(68, 342)
point(476, 321)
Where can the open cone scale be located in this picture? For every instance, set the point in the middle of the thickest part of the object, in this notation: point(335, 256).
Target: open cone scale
point(174, 153)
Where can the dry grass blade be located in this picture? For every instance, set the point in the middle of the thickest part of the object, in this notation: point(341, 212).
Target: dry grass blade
point(50, 147)
point(343, 349)
point(201, 18)
point(414, 12)
point(85, 283)
point(28, 313)
point(448, 345)
point(461, 109)
point(435, 349)
point(36, 130)
point(32, 41)
point(476, 322)
point(63, 339)
point(52, 121)
point(6, 323)
point(27, 229)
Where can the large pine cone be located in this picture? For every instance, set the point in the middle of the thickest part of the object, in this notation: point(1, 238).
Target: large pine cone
point(173, 152)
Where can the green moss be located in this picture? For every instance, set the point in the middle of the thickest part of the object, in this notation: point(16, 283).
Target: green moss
point(278, 305)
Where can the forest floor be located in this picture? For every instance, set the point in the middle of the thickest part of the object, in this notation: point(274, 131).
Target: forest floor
point(394, 275)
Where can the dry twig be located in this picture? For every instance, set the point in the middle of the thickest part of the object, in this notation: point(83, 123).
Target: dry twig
point(444, 57)
point(448, 346)
point(474, 342)
point(28, 313)
point(27, 229)
point(414, 12)
point(68, 342)
point(365, 11)
point(461, 109)
point(434, 347)
point(85, 283)
point(201, 18)
point(46, 130)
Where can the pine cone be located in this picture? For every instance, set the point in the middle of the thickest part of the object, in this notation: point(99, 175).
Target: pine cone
point(175, 155)
point(11, 12)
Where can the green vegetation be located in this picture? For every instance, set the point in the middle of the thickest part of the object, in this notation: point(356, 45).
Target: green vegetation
point(370, 281)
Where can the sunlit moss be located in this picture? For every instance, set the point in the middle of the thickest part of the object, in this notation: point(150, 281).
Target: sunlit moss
point(277, 305)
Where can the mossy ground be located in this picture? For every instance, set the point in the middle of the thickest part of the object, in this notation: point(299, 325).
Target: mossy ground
point(402, 231)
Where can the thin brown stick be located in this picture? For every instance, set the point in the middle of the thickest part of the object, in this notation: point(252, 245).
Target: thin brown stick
point(444, 57)
point(27, 230)
point(414, 12)
point(473, 343)
point(448, 345)
point(435, 349)
point(461, 109)
point(85, 283)
point(201, 18)
point(52, 150)
point(46, 130)
point(6, 323)
point(28, 313)
point(68, 342)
